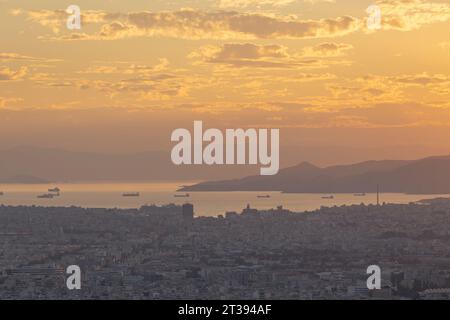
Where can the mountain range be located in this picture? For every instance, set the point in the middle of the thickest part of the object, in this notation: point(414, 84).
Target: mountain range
point(425, 176)
point(28, 164)
point(41, 165)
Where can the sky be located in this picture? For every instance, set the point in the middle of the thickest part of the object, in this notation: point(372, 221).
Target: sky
point(137, 70)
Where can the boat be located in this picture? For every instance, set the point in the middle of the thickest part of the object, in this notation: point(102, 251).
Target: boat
point(54, 191)
point(182, 195)
point(264, 196)
point(46, 196)
point(328, 197)
point(131, 194)
point(362, 194)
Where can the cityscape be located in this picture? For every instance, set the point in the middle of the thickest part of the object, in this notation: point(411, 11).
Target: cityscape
point(225, 150)
point(167, 252)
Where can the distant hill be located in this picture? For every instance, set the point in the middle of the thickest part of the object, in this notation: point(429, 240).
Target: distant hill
point(428, 176)
point(23, 179)
point(57, 165)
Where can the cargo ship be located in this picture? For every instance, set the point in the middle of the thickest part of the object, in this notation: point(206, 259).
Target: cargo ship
point(182, 195)
point(131, 194)
point(54, 191)
point(46, 196)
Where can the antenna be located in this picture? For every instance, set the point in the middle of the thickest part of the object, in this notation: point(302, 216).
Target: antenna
point(378, 194)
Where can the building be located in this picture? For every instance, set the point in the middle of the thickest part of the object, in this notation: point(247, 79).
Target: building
point(248, 210)
point(188, 211)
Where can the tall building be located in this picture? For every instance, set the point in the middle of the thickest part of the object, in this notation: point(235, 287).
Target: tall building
point(249, 210)
point(188, 211)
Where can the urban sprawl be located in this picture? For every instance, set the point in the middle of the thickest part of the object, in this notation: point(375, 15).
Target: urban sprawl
point(166, 252)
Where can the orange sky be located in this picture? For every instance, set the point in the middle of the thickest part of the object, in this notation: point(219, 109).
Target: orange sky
point(139, 69)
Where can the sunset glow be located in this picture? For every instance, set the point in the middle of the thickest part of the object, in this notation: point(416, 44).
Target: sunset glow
point(311, 68)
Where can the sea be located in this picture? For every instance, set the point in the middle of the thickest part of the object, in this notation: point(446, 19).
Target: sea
point(110, 195)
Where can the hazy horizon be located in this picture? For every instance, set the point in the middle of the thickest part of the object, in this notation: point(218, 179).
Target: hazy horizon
point(35, 165)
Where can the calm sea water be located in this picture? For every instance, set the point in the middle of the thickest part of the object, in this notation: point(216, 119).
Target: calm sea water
point(109, 195)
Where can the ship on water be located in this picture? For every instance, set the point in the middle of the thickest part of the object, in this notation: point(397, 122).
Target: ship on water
point(328, 197)
point(54, 191)
point(46, 196)
point(182, 195)
point(131, 194)
point(266, 196)
point(362, 194)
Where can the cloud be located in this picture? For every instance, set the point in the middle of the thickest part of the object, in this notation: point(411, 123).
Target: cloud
point(301, 114)
point(74, 36)
point(319, 1)
point(227, 25)
point(7, 74)
point(10, 56)
point(6, 102)
point(401, 15)
point(361, 91)
point(195, 24)
point(406, 15)
point(127, 68)
point(250, 3)
point(147, 86)
point(265, 3)
point(261, 56)
point(56, 19)
point(246, 55)
point(374, 115)
point(423, 79)
point(327, 49)
point(401, 114)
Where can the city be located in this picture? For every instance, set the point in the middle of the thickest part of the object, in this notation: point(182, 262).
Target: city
point(164, 252)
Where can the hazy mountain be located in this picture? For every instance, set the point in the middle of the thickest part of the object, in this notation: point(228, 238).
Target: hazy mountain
point(58, 165)
point(429, 175)
point(23, 179)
